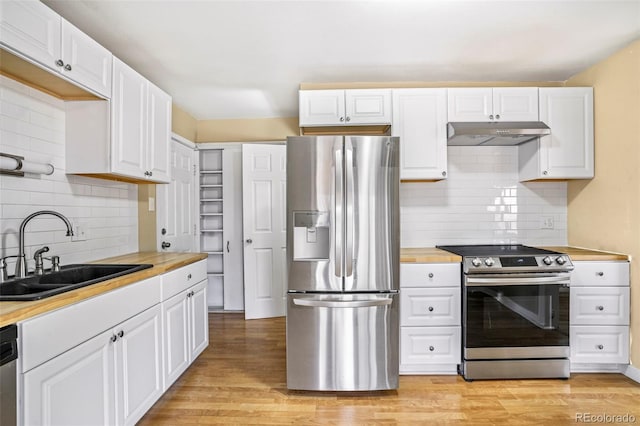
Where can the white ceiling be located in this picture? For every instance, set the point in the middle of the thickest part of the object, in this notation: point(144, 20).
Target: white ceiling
point(246, 59)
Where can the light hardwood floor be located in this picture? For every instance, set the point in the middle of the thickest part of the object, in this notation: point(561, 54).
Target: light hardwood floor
point(241, 379)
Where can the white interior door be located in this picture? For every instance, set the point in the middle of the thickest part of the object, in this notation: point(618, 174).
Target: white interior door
point(176, 205)
point(264, 229)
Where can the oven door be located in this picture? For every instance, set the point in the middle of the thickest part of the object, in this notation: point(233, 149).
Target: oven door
point(516, 316)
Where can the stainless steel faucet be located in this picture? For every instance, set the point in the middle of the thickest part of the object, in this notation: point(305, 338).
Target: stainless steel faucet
point(21, 261)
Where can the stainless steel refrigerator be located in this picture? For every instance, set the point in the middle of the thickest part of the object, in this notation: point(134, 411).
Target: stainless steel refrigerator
point(343, 260)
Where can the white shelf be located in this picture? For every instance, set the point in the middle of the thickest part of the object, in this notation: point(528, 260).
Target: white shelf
point(210, 172)
point(210, 230)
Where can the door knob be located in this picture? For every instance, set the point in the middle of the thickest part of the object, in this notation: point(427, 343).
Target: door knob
point(248, 240)
point(165, 245)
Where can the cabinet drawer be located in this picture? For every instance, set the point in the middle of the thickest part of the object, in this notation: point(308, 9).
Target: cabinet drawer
point(600, 274)
point(182, 278)
point(77, 323)
point(430, 306)
point(599, 344)
point(430, 274)
point(429, 345)
point(599, 305)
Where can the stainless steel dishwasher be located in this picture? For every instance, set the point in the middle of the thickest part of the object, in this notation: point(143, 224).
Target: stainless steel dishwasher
point(8, 359)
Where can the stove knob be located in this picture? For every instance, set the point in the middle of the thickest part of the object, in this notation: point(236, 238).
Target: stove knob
point(547, 260)
point(476, 262)
point(489, 261)
point(561, 260)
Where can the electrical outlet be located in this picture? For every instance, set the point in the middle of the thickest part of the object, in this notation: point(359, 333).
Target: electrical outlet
point(547, 222)
point(80, 232)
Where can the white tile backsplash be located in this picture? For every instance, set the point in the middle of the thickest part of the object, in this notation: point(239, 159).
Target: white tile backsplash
point(32, 125)
point(482, 202)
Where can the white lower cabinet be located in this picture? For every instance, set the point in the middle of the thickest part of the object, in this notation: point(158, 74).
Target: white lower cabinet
point(430, 309)
point(186, 332)
point(113, 378)
point(107, 360)
point(599, 310)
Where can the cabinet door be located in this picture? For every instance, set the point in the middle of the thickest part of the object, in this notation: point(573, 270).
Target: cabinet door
point(232, 230)
point(198, 320)
point(515, 103)
point(470, 104)
point(420, 120)
point(368, 106)
point(567, 153)
point(322, 107)
point(159, 136)
point(139, 365)
point(86, 62)
point(77, 387)
point(32, 29)
point(175, 312)
point(128, 118)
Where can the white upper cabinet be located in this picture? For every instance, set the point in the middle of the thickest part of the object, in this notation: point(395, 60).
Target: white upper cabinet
point(345, 107)
point(38, 34)
point(493, 104)
point(126, 138)
point(420, 120)
point(567, 153)
point(141, 126)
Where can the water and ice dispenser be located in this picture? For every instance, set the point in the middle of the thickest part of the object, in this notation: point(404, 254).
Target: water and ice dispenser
point(310, 236)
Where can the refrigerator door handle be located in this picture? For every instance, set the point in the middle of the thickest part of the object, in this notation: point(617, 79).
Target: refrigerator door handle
point(349, 203)
point(342, 304)
point(338, 220)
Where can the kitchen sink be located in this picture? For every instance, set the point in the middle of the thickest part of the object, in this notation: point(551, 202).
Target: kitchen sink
point(70, 277)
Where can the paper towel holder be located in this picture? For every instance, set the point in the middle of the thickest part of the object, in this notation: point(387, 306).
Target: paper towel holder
point(17, 166)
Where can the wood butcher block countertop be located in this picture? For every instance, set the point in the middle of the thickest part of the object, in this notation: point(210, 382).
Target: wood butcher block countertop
point(11, 312)
point(427, 255)
point(576, 253)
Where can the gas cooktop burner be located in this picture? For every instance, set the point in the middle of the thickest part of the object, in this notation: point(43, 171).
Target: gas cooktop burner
point(509, 258)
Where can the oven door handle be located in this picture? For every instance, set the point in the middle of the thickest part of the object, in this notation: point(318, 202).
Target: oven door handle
point(493, 282)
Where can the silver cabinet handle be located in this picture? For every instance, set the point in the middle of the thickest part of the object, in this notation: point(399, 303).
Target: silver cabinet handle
point(67, 67)
point(600, 274)
point(341, 119)
point(431, 348)
point(545, 172)
point(430, 308)
point(600, 308)
point(189, 277)
point(165, 245)
point(59, 62)
point(601, 347)
point(113, 338)
point(444, 173)
point(348, 118)
point(121, 333)
point(430, 274)
point(491, 117)
point(497, 116)
point(249, 241)
point(227, 246)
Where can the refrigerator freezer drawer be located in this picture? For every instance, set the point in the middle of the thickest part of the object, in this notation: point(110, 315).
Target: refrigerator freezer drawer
point(342, 342)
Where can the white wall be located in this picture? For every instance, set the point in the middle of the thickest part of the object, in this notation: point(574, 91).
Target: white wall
point(32, 125)
point(482, 202)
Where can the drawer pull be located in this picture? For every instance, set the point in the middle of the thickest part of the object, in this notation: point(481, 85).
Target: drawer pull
point(189, 276)
point(431, 348)
point(430, 308)
point(430, 274)
point(600, 274)
point(601, 347)
point(600, 308)
point(114, 338)
point(120, 333)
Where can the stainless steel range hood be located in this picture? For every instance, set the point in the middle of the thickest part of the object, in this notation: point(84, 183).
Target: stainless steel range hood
point(501, 134)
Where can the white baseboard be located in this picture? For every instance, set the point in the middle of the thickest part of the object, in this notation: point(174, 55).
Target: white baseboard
point(633, 373)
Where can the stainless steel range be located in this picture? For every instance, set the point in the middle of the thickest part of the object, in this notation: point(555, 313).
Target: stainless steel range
point(515, 311)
